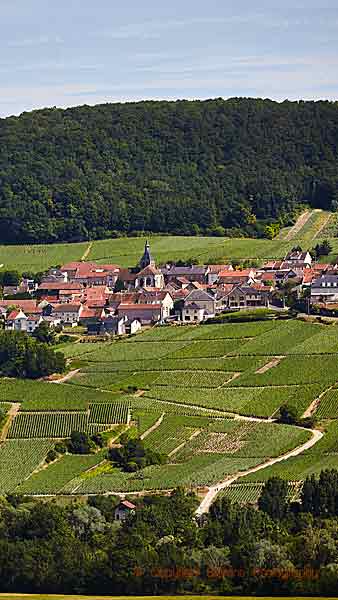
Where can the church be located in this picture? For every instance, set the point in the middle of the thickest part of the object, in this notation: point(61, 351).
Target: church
point(148, 275)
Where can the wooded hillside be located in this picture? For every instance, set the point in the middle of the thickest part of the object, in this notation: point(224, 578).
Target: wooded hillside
point(219, 167)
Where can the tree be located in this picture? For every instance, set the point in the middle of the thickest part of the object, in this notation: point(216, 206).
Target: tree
point(23, 356)
point(272, 230)
point(86, 521)
point(184, 167)
point(9, 278)
point(273, 499)
point(322, 249)
point(119, 286)
point(132, 455)
point(80, 443)
point(288, 414)
point(320, 496)
point(45, 334)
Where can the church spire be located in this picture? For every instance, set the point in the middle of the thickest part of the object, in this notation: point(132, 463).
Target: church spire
point(147, 259)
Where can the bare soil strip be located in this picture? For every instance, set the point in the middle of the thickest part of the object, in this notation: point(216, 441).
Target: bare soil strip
point(323, 225)
point(66, 377)
point(273, 363)
point(13, 411)
point(234, 376)
point(153, 427)
point(193, 435)
point(315, 403)
point(85, 254)
point(302, 219)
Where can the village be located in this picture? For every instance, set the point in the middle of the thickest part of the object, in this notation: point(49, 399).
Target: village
point(109, 300)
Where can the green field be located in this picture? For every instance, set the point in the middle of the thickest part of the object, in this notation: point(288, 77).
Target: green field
point(126, 252)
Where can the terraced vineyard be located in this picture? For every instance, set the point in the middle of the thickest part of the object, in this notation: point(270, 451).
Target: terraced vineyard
point(198, 379)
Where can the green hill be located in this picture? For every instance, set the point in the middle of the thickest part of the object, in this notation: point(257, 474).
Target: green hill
point(215, 167)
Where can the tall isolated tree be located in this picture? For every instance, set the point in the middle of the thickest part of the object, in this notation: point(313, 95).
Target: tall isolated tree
point(273, 499)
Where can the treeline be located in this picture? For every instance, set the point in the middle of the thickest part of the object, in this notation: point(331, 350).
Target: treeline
point(277, 549)
point(25, 357)
point(234, 167)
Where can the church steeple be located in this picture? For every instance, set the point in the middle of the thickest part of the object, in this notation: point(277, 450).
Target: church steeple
point(147, 259)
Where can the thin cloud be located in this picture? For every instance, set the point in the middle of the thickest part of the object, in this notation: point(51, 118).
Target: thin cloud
point(40, 40)
point(154, 29)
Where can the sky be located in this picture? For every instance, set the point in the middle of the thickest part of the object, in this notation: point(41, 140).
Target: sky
point(70, 52)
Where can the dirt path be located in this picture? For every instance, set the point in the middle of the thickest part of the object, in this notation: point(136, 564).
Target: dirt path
point(315, 403)
point(193, 435)
point(66, 377)
point(273, 363)
point(153, 427)
point(85, 254)
point(13, 411)
point(302, 219)
point(326, 219)
point(234, 376)
point(213, 490)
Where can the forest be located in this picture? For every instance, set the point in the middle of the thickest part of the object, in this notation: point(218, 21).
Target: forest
point(217, 167)
point(281, 548)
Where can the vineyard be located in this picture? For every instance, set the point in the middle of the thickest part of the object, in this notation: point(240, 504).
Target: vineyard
point(248, 493)
point(182, 388)
point(18, 458)
point(60, 473)
point(47, 425)
point(109, 413)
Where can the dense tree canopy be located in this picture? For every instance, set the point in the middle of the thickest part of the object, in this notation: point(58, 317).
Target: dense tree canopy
point(160, 548)
point(132, 455)
point(23, 356)
point(217, 166)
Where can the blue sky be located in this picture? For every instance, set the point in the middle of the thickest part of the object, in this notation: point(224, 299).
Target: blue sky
point(70, 52)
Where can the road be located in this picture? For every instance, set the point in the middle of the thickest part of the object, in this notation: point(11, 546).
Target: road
point(213, 490)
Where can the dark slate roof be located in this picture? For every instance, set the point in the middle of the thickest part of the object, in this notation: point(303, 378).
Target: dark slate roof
point(193, 305)
point(199, 295)
point(325, 279)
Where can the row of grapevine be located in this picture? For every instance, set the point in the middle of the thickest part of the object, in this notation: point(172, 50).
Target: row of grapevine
point(47, 425)
point(18, 458)
point(249, 493)
point(109, 413)
point(189, 379)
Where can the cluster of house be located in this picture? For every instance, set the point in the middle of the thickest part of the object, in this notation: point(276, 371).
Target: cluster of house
point(86, 293)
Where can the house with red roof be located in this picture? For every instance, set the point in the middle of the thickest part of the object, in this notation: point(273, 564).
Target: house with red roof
point(243, 276)
point(59, 290)
point(30, 307)
point(17, 320)
point(215, 270)
point(91, 273)
point(123, 510)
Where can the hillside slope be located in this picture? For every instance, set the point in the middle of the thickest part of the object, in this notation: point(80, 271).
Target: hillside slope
point(178, 167)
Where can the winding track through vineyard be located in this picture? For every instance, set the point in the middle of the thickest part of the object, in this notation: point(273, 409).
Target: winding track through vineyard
point(213, 490)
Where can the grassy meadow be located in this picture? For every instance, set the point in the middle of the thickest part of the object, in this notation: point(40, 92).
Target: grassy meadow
point(127, 251)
